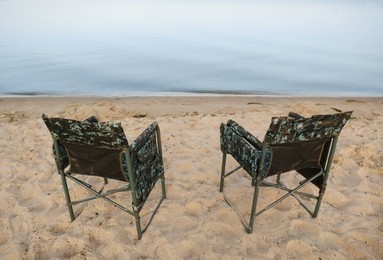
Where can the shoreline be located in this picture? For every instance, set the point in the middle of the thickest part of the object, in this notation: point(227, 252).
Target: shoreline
point(192, 94)
point(154, 106)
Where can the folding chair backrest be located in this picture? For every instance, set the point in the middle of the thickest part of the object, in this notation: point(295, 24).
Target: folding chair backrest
point(93, 148)
point(301, 143)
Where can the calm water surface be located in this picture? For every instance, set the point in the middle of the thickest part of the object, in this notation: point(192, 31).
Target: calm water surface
point(152, 47)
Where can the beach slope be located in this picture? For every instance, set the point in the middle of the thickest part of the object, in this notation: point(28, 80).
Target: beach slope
point(194, 222)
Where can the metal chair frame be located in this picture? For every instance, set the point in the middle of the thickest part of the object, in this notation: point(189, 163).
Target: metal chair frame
point(259, 181)
point(100, 194)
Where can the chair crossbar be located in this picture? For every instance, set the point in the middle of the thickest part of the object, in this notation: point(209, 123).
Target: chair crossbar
point(152, 215)
point(288, 194)
point(307, 208)
point(97, 195)
point(78, 180)
point(283, 187)
point(109, 192)
point(278, 185)
point(126, 188)
point(241, 218)
point(232, 171)
point(291, 192)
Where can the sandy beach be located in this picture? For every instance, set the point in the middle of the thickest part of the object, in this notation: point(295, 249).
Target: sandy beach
point(194, 221)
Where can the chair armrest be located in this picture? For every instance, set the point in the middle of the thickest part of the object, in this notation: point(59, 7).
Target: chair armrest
point(243, 151)
point(142, 139)
point(244, 147)
point(147, 163)
point(245, 134)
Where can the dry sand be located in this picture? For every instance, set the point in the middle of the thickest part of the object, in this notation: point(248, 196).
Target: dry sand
point(194, 222)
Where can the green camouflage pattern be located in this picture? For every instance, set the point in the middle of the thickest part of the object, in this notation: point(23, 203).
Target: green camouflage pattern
point(295, 129)
point(63, 160)
point(109, 135)
point(246, 149)
point(146, 163)
point(243, 146)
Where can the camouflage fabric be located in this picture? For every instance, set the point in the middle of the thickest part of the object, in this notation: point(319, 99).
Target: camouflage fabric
point(146, 159)
point(294, 115)
point(293, 129)
point(249, 137)
point(246, 149)
point(63, 160)
point(107, 135)
point(243, 146)
point(146, 163)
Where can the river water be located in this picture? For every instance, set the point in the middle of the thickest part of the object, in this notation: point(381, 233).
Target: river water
point(159, 47)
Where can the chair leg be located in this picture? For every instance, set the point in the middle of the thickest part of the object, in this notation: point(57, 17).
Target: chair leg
point(67, 196)
point(222, 171)
point(279, 178)
point(325, 177)
point(254, 206)
point(319, 201)
point(163, 185)
point(138, 224)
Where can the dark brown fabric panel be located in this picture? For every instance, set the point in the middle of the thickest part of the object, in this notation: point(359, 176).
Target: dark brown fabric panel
point(310, 172)
point(295, 156)
point(88, 160)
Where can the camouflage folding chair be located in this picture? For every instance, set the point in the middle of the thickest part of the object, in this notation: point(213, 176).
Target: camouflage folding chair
point(101, 149)
point(306, 145)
